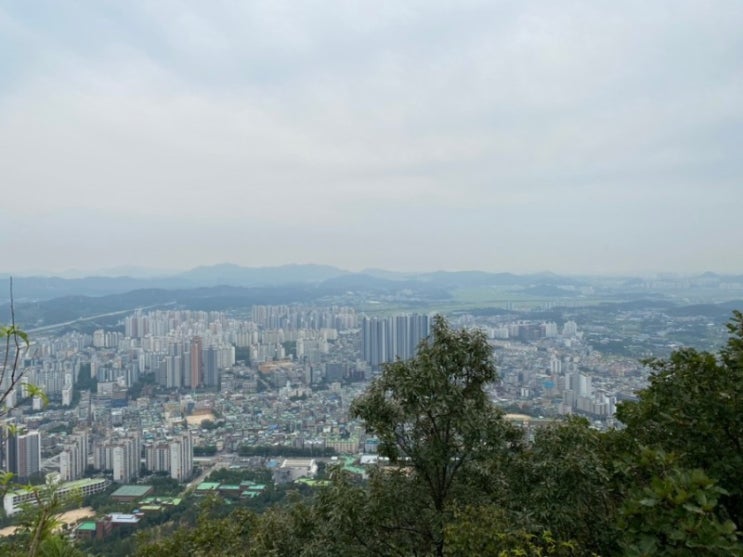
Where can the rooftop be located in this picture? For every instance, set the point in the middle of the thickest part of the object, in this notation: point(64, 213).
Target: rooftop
point(66, 486)
point(82, 483)
point(161, 500)
point(121, 518)
point(207, 486)
point(132, 491)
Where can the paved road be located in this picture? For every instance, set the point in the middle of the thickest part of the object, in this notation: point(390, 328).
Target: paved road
point(93, 317)
point(222, 461)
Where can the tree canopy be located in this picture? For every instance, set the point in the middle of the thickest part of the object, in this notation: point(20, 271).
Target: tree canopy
point(432, 414)
point(693, 408)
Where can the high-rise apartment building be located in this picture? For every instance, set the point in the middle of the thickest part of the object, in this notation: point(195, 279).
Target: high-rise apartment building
point(181, 457)
point(73, 460)
point(157, 457)
point(23, 453)
point(121, 455)
point(197, 362)
point(211, 367)
point(173, 372)
point(386, 339)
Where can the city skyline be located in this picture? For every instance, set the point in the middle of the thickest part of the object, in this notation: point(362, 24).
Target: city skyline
point(579, 139)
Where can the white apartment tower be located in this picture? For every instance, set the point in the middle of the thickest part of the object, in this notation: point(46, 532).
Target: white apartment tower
point(123, 456)
point(181, 457)
point(157, 457)
point(73, 460)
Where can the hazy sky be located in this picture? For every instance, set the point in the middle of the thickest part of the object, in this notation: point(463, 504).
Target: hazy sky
point(595, 136)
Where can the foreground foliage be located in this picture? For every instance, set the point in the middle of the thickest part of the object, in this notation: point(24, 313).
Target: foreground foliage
point(435, 421)
point(693, 408)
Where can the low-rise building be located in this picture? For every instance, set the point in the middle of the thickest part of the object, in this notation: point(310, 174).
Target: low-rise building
point(292, 469)
point(14, 500)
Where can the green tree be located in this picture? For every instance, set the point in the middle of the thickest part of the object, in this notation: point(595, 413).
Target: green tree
point(211, 536)
point(39, 522)
point(433, 417)
point(385, 516)
point(13, 341)
point(692, 407)
point(58, 546)
point(563, 484)
point(208, 425)
point(484, 530)
point(675, 513)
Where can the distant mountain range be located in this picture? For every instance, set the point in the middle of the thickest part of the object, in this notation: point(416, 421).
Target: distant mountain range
point(27, 288)
point(35, 288)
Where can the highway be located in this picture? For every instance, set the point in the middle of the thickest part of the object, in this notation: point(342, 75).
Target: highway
point(93, 317)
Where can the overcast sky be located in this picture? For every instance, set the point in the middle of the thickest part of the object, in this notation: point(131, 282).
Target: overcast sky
point(577, 137)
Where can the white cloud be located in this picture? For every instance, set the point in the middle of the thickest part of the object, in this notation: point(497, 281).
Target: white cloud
point(323, 126)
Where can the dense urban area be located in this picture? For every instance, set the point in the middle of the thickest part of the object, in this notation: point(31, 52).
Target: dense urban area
point(163, 408)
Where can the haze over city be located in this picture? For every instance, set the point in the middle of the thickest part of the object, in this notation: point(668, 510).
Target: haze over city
point(573, 137)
